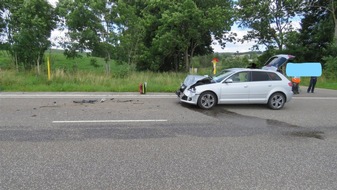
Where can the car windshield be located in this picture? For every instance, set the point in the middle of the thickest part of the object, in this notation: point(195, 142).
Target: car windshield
point(222, 75)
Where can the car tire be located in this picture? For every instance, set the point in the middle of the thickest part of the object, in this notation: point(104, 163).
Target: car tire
point(276, 101)
point(207, 100)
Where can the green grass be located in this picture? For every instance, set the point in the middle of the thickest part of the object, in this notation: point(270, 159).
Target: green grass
point(89, 82)
point(88, 74)
point(86, 81)
point(322, 82)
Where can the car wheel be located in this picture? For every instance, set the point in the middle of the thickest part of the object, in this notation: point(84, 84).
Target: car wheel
point(276, 101)
point(207, 100)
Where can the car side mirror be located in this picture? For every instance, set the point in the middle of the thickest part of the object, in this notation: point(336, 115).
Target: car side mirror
point(229, 81)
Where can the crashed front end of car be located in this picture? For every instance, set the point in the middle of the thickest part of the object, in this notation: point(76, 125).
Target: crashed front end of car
point(187, 92)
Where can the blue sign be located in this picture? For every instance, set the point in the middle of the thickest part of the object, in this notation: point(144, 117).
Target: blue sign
point(304, 69)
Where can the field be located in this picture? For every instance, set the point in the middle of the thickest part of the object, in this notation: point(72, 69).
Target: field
point(88, 74)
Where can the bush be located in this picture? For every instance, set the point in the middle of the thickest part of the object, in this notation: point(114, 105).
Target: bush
point(330, 67)
point(94, 63)
point(235, 62)
point(121, 71)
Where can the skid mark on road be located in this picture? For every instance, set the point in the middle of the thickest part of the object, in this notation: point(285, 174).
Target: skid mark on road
point(307, 134)
point(255, 125)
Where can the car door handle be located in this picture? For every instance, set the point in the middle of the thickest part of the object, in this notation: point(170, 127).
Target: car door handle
point(245, 86)
point(270, 85)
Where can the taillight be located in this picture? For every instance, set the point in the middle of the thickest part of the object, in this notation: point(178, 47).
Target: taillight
point(291, 57)
point(290, 84)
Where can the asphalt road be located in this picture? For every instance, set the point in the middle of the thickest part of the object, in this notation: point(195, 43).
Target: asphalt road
point(132, 141)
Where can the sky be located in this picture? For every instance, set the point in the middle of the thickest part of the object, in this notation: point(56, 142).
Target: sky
point(237, 46)
point(230, 47)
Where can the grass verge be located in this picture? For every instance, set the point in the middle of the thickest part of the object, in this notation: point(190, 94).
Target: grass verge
point(89, 82)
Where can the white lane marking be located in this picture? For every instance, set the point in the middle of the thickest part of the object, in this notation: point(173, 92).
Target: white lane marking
point(111, 121)
point(315, 98)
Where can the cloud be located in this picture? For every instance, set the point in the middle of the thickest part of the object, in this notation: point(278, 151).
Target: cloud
point(236, 46)
point(247, 46)
point(53, 2)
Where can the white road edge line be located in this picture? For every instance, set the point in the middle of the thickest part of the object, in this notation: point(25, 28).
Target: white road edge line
point(85, 96)
point(111, 121)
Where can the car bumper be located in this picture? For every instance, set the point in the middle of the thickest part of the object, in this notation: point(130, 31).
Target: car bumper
point(289, 96)
point(188, 97)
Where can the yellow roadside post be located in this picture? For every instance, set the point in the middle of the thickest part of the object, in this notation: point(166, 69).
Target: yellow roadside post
point(48, 66)
point(214, 61)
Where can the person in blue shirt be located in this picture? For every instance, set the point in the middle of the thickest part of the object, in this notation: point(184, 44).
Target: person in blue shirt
point(312, 84)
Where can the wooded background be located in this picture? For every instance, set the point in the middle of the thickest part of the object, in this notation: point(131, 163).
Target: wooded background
point(165, 35)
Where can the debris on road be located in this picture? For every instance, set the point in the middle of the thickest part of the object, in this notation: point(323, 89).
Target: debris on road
point(85, 101)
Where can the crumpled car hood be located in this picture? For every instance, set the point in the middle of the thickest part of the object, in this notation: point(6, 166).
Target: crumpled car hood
point(192, 79)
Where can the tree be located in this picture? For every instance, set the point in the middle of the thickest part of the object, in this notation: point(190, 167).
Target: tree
point(83, 24)
point(178, 30)
point(316, 33)
point(154, 35)
point(28, 28)
point(130, 28)
point(2, 21)
point(323, 33)
point(181, 30)
point(89, 26)
point(268, 20)
point(327, 5)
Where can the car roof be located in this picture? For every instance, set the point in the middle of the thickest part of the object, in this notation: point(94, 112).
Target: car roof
point(248, 69)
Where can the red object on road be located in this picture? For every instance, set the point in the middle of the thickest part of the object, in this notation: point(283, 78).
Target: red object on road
point(141, 88)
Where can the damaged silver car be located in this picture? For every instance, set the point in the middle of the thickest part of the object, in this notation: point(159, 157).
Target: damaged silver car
point(237, 86)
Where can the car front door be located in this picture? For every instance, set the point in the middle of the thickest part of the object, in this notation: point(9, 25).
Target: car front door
point(237, 90)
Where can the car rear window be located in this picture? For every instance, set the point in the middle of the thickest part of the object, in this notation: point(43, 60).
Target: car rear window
point(260, 76)
point(264, 76)
point(274, 76)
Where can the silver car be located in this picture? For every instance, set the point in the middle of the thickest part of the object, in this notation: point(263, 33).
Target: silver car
point(237, 86)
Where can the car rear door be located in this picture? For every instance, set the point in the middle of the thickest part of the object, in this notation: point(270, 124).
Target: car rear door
point(260, 86)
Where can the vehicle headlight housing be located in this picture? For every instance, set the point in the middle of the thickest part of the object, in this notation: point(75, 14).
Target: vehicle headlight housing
point(192, 90)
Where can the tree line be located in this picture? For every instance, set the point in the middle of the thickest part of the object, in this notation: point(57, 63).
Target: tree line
point(164, 35)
